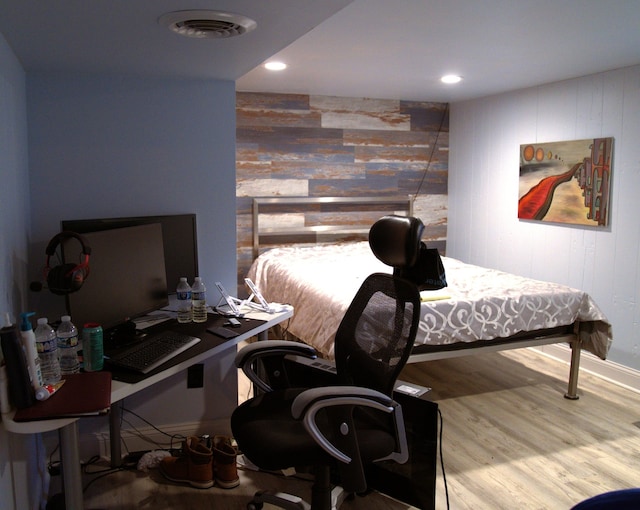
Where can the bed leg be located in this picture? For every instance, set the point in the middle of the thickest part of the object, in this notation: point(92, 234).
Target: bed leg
point(572, 391)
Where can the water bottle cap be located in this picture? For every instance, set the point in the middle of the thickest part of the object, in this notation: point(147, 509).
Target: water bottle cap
point(43, 320)
point(183, 278)
point(65, 318)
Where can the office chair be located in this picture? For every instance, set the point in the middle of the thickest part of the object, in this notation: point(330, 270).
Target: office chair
point(338, 429)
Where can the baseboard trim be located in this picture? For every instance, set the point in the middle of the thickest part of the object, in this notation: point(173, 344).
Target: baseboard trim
point(148, 438)
point(609, 370)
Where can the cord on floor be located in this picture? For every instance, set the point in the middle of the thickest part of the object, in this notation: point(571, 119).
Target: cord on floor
point(444, 475)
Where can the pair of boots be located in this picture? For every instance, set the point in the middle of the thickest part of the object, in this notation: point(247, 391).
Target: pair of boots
point(201, 465)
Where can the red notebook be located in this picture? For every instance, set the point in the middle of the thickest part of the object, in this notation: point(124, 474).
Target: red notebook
point(84, 394)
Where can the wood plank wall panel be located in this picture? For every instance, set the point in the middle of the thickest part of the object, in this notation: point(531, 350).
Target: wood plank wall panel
point(299, 145)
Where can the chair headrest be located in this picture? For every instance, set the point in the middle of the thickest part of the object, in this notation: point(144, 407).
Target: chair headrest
point(395, 240)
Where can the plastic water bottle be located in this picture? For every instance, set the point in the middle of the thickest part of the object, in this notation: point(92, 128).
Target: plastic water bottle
point(199, 300)
point(183, 291)
point(67, 335)
point(47, 345)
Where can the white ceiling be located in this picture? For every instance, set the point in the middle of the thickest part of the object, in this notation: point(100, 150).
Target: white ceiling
point(363, 48)
point(124, 36)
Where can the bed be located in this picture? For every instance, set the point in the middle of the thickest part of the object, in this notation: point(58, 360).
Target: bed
point(481, 309)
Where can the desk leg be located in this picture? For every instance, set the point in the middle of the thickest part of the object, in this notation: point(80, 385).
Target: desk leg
point(263, 335)
point(71, 473)
point(115, 417)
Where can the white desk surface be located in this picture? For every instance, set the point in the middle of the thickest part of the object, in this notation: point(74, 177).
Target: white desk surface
point(120, 390)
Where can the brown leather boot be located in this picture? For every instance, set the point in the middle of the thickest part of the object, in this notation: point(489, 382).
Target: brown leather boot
point(194, 466)
point(225, 470)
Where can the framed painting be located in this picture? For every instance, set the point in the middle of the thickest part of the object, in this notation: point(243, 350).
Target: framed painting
point(566, 182)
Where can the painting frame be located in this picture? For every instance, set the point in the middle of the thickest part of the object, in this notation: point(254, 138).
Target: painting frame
point(566, 182)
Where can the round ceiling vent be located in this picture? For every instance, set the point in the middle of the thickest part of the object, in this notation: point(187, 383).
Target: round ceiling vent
point(207, 24)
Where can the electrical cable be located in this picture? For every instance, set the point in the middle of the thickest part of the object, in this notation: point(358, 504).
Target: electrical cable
point(134, 431)
point(107, 471)
point(101, 473)
point(433, 148)
point(54, 465)
point(444, 476)
point(142, 436)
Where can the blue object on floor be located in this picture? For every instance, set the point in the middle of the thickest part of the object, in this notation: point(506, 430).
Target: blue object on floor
point(625, 499)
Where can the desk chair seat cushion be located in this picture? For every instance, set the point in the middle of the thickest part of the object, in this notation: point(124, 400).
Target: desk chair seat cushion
point(272, 440)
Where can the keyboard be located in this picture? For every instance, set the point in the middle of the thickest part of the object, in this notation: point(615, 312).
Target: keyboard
point(153, 352)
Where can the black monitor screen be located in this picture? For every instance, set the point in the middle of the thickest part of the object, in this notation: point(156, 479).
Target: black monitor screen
point(179, 238)
point(127, 276)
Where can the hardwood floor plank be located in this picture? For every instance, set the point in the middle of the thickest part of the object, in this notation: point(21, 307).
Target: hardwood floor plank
point(510, 440)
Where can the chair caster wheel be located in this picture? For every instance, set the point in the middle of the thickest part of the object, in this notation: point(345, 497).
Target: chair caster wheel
point(254, 506)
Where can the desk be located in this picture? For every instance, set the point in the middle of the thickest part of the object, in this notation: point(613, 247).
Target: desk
point(68, 428)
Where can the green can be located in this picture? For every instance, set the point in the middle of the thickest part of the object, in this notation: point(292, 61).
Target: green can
point(92, 349)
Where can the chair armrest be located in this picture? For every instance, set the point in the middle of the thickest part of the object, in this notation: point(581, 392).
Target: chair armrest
point(246, 356)
point(310, 402)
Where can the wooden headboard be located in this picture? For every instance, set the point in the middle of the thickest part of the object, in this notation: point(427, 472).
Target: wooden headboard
point(289, 220)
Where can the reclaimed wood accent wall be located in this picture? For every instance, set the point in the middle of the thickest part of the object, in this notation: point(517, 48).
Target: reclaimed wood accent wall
point(299, 145)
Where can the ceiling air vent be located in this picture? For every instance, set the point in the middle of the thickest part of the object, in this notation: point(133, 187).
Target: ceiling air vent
point(207, 24)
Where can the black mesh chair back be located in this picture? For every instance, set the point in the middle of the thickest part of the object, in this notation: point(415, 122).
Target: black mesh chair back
point(375, 337)
point(344, 427)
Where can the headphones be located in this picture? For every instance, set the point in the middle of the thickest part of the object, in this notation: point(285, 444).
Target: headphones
point(66, 278)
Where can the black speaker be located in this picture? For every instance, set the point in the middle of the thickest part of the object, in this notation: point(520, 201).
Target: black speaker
point(66, 278)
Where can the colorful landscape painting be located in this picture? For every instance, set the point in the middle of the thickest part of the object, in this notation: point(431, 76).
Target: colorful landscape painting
point(566, 182)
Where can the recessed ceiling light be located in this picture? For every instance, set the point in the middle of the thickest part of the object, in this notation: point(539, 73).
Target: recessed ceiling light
point(451, 78)
point(275, 66)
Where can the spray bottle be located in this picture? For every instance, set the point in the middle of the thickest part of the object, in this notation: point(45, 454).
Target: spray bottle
point(30, 350)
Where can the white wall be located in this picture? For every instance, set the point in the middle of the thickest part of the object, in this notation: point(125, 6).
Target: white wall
point(82, 146)
point(16, 452)
point(483, 193)
point(105, 146)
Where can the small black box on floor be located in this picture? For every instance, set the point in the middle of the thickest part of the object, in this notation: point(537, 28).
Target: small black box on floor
point(414, 482)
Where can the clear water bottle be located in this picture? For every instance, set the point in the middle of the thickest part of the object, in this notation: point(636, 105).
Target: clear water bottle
point(47, 346)
point(183, 291)
point(67, 335)
point(199, 300)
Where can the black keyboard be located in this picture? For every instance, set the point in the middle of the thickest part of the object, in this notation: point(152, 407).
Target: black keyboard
point(153, 352)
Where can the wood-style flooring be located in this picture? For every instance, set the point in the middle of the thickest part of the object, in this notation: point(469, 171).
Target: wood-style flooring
point(510, 441)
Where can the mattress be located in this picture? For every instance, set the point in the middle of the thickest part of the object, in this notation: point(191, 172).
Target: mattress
point(479, 304)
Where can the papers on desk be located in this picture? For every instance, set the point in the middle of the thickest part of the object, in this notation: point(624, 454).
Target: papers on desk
point(84, 394)
point(155, 317)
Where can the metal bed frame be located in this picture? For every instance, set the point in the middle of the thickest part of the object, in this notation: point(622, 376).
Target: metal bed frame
point(387, 205)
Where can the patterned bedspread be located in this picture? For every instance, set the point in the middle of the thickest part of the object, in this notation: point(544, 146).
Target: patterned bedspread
point(479, 304)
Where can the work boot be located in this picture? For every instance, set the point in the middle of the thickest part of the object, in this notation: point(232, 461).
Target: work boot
point(225, 470)
point(194, 466)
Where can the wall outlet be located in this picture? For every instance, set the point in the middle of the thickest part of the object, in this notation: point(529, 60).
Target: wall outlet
point(195, 376)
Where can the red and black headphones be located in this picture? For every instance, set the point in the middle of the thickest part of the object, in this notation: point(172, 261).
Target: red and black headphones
point(67, 278)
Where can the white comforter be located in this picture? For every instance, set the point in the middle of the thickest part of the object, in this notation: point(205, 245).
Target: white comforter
point(478, 304)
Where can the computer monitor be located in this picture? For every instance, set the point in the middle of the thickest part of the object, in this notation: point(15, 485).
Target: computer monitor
point(127, 277)
point(179, 238)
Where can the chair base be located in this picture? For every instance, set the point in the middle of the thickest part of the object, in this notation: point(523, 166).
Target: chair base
point(291, 502)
